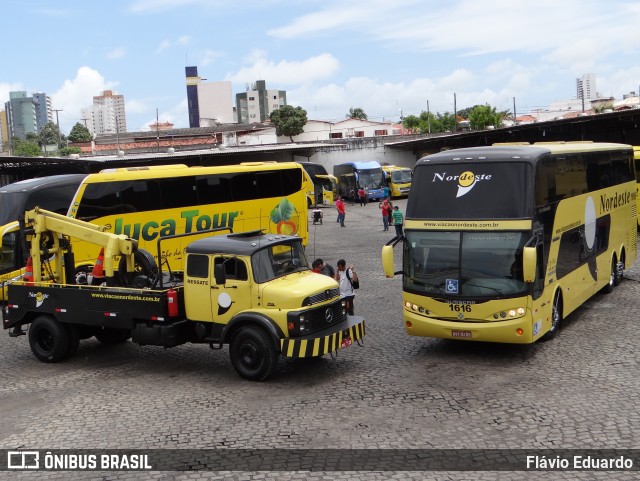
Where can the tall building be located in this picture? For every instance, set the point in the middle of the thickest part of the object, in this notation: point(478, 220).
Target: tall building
point(256, 105)
point(107, 114)
point(43, 109)
point(209, 103)
point(586, 87)
point(27, 114)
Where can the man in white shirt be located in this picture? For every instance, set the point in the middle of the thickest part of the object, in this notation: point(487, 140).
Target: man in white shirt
point(345, 276)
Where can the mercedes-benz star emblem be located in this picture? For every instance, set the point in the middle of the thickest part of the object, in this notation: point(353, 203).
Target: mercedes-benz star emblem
point(328, 315)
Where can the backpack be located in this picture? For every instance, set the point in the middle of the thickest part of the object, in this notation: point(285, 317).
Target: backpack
point(355, 284)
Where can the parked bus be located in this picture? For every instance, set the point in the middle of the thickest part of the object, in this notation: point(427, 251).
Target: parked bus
point(324, 185)
point(398, 179)
point(636, 154)
point(353, 175)
point(148, 203)
point(53, 193)
point(501, 243)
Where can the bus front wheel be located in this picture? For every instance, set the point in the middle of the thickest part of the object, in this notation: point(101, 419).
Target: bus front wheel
point(556, 318)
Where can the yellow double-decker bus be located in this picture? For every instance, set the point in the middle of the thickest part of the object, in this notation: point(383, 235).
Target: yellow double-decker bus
point(398, 180)
point(501, 243)
point(147, 203)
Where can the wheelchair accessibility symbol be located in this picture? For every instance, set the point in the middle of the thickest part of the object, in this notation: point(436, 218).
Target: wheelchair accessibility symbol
point(451, 286)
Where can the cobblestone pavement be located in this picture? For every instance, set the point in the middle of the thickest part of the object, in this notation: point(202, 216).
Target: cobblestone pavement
point(579, 390)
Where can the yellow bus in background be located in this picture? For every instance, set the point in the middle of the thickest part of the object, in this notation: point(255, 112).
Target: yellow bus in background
point(501, 243)
point(148, 203)
point(398, 180)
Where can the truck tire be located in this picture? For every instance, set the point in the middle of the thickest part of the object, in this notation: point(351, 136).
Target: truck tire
point(111, 335)
point(48, 339)
point(145, 264)
point(253, 354)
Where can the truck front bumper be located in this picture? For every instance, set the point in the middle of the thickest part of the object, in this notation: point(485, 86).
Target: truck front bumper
point(331, 339)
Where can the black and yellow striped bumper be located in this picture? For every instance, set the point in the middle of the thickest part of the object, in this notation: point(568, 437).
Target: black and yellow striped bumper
point(316, 345)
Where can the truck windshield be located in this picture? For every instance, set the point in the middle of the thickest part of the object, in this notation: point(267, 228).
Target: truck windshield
point(278, 260)
point(464, 264)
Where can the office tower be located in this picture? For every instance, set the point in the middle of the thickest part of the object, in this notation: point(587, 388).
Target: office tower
point(256, 104)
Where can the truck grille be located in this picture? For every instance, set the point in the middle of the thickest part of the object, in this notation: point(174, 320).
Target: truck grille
point(319, 318)
point(321, 297)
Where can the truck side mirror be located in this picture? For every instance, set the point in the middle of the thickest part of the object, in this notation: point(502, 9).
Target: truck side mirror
point(529, 263)
point(387, 260)
point(219, 274)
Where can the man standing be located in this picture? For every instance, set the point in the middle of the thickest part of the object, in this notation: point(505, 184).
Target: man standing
point(386, 210)
point(344, 277)
point(397, 220)
point(341, 211)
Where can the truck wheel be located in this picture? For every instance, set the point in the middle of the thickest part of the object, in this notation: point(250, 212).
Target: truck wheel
point(112, 335)
point(252, 354)
point(145, 265)
point(49, 340)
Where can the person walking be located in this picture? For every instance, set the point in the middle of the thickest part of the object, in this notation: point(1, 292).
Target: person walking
point(341, 211)
point(352, 194)
point(344, 276)
point(385, 208)
point(397, 220)
point(386, 193)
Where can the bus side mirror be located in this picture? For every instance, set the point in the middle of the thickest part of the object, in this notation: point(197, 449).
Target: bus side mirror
point(529, 263)
point(387, 260)
point(219, 274)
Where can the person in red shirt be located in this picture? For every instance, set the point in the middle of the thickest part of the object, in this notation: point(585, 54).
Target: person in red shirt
point(386, 211)
point(341, 211)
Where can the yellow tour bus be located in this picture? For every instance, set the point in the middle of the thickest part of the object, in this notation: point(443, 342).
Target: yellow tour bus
point(636, 154)
point(501, 243)
point(398, 180)
point(146, 203)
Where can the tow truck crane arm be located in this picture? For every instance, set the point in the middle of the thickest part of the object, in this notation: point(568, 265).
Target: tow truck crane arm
point(41, 224)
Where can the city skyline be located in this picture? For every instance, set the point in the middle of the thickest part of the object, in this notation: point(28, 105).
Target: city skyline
point(388, 58)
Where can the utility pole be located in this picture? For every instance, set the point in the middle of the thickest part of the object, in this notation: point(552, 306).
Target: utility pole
point(428, 118)
point(58, 123)
point(84, 119)
point(455, 113)
point(514, 111)
point(157, 130)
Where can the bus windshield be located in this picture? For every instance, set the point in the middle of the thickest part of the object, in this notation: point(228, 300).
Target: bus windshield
point(470, 191)
point(278, 260)
point(464, 264)
point(401, 176)
point(370, 178)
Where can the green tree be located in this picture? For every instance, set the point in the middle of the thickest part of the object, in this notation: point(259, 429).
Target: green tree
point(289, 120)
point(79, 133)
point(411, 123)
point(49, 134)
point(356, 113)
point(482, 116)
point(26, 148)
point(66, 151)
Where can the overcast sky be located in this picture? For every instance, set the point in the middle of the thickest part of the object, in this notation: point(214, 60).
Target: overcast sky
point(382, 56)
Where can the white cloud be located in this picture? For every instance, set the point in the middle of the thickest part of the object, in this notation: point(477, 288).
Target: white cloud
point(287, 72)
point(135, 106)
point(77, 94)
point(208, 56)
point(116, 53)
point(177, 116)
point(165, 44)
point(5, 88)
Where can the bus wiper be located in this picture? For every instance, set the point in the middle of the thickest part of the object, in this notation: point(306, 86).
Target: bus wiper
point(484, 287)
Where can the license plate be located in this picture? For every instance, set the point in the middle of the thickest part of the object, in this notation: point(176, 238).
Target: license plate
point(460, 333)
point(346, 342)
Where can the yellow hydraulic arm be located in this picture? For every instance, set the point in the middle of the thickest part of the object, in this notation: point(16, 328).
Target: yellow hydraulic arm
point(44, 228)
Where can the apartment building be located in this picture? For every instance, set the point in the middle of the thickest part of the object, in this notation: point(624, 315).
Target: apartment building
point(107, 114)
